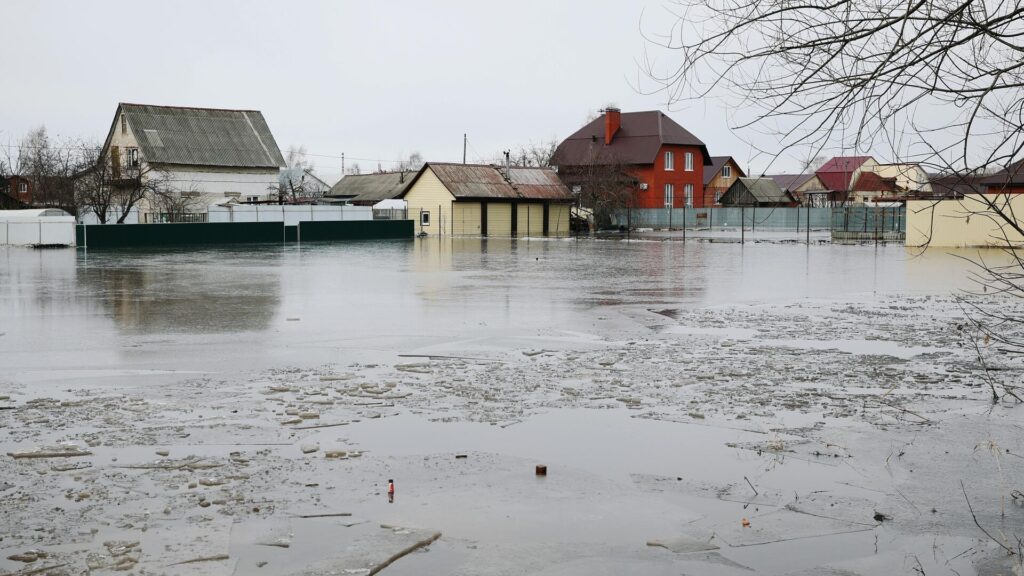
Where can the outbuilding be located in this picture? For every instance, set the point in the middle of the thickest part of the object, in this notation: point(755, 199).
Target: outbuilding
point(757, 192)
point(486, 200)
point(37, 227)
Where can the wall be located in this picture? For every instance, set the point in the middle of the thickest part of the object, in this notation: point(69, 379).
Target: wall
point(428, 194)
point(466, 219)
point(558, 219)
point(908, 176)
point(38, 231)
point(655, 176)
point(966, 223)
point(499, 219)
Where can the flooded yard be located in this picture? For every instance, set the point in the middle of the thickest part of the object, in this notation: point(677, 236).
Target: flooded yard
point(701, 407)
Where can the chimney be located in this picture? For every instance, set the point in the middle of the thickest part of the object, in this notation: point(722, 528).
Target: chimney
point(612, 121)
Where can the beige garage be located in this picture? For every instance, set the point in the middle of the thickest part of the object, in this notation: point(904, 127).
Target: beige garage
point(483, 200)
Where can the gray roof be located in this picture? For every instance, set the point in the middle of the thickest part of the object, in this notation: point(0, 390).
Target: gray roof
point(763, 191)
point(790, 182)
point(202, 136)
point(486, 182)
point(372, 187)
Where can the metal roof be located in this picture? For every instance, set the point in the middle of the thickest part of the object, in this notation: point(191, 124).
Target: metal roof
point(1013, 175)
point(791, 182)
point(717, 162)
point(372, 187)
point(872, 182)
point(202, 136)
point(481, 181)
point(637, 141)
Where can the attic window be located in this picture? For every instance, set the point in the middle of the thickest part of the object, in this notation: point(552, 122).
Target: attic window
point(154, 138)
point(124, 124)
point(726, 171)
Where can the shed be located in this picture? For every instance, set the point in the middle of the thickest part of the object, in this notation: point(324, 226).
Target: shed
point(757, 192)
point(369, 189)
point(37, 227)
point(485, 200)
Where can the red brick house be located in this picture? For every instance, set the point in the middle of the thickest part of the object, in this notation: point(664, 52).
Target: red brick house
point(662, 163)
point(19, 188)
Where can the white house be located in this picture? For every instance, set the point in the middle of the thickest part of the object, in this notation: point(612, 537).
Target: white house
point(208, 154)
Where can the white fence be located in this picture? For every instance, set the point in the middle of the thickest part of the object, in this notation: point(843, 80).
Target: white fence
point(290, 215)
point(45, 231)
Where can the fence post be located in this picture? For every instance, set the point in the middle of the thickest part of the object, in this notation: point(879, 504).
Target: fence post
point(743, 225)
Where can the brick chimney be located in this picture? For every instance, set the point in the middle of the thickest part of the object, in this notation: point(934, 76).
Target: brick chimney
point(612, 121)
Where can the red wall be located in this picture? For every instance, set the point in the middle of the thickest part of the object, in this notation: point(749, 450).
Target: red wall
point(655, 176)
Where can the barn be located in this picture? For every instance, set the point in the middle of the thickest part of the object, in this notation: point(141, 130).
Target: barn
point(485, 200)
point(757, 192)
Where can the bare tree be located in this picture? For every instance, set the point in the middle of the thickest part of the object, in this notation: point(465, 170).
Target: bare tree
point(111, 187)
point(412, 163)
point(602, 185)
point(537, 155)
point(48, 166)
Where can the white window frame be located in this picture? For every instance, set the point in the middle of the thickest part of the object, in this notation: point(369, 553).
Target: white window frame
point(424, 218)
point(131, 157)
point(252, 198)
point(670, 195)
point(718, 196)
point(688, 191)
point(670, 161)
point(689, 162)
point(23, 187)
point(726, 171)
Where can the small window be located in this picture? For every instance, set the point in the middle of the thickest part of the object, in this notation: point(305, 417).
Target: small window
point(688, 190)
point(131, 157)
point(252, 199)
point(689, 161)
point(424, 218)
point(23, 187)
point(670, 192)
point(718, 197)
point(124, 124)
point(726, 171)
point(670, 161)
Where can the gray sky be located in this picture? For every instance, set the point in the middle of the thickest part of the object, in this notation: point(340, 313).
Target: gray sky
point(375, 80)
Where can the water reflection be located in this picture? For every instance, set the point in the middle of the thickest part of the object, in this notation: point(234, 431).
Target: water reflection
point(213, 291)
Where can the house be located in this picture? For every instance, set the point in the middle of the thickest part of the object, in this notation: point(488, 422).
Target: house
point(298, 185)
point(909, 177)
point(370, 189)
point(757, 192)
point(18, 188)
point(1008, 181)
point(484, 200)
point(722, 172)
point(663, 163)
point(839, 174)
point(954, 186)
point(203, 155)
point(872, 187)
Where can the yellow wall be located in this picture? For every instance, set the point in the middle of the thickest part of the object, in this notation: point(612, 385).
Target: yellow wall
point(429, 194)
point(966, 223)
point(499, 219)
point(530, 220)
point(558, 220)
point(466, 218)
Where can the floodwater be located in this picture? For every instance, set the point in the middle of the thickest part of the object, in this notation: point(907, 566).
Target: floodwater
point(673, 389)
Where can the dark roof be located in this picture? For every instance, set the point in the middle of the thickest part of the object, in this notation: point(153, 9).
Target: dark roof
point(790, 182)
point(837, 172)
point(467, 181)
point(872, 182)
point(201, 136)
point(955, 185)
point(637, 141)
point(763, 190)
point(372, 187)
point(716, 166)
point(1013, 175)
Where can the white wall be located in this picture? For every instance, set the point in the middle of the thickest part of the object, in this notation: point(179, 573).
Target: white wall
point(290, 215)
point(86, 216)
point(46, 230)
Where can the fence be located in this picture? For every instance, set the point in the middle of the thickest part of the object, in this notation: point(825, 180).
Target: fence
point(726, 217)
point(862, 223)
point(390, 214)
point(291, 215)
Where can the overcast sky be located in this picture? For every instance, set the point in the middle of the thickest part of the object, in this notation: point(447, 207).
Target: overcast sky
point(375, 80)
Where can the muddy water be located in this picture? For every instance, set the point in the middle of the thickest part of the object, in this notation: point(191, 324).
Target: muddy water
point(672, 389)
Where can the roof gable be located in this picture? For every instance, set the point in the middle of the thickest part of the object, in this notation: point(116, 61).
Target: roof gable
point(482, 181)
point(762, 190)
point(717, 163)
point(637, 141)
point(201, 136)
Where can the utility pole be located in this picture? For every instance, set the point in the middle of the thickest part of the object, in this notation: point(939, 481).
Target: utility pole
point(464, 147)
point(342, 163)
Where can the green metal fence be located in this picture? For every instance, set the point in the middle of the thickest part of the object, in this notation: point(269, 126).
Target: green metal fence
point(212, 233)
point(316, 231)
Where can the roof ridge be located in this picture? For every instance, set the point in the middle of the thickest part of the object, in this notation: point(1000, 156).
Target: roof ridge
point(188, 107)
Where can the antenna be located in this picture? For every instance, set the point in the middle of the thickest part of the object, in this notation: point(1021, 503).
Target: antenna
point(464, 141)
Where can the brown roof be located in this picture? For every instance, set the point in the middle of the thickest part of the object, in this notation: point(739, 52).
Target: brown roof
point(955, 185)
point(872, 182)
point(637, 141)
point(483, 181)
point(790, 182)
point(836, 173)
point(1013, 175)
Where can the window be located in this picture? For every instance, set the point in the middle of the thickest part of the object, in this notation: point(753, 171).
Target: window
point(124, 124)
point(252, 199)
point(688, 191)
point(131, 157)
point(718, 197)
point(670, 192)
point(689, 161)
point(23, 187)
point(726, 171)
point(424, 218)
point(670, 161)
